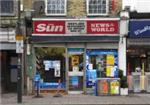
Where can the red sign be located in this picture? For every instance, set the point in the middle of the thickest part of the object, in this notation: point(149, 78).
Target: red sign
point(49, 27)
point(102, 27)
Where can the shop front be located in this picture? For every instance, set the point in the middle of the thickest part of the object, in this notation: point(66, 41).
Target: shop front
point(72, 54)
point(138, 56)
point(8, 60)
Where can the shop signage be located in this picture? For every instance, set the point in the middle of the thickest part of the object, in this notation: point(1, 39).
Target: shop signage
point(49, 27)
point(75, 27)
point(102, 27)
point(139, 28)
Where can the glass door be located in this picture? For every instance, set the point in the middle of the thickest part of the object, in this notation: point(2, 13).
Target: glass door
point(75, 72)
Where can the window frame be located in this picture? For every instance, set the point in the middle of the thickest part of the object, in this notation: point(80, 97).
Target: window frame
point(56, 14)
point(97, 14)
point(9, 14)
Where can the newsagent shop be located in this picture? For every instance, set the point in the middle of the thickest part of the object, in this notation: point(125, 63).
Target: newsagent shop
point(73, 53)
point(138, 55)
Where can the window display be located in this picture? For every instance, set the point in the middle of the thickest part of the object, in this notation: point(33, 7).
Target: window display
point(100, 64)
point(104, 61)
point(51, 66)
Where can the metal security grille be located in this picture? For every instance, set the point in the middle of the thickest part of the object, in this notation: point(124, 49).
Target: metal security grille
point(55, 7)
point(97, 7)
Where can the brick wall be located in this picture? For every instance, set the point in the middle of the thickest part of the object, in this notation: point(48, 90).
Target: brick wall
point(76, 8)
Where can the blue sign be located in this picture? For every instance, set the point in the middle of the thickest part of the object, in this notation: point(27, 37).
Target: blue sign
point(74, 80)
point(75, 50)
point(139, 28)
point(91, 76)
point(101, 52)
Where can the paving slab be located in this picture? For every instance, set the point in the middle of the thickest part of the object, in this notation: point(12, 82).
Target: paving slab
point(140, 99)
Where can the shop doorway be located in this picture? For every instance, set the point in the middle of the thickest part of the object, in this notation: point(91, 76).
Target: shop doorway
point(76, 72)
point(50, 64)
point(8, 71)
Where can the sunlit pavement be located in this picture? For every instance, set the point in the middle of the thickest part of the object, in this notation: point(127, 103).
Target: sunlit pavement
point(11, 99)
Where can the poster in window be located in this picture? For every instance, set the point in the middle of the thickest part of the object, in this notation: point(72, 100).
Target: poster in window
point(103, 87)
point(110, 59)
point(57, 72)
point(75, 60)
point(91, 77)
point(109, 71)
point(114, 87)
point(47, 65)
point(57, 68)
point(74, 81)
point(56, 64)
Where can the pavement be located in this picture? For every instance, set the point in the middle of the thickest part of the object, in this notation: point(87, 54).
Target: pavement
point(140, 99)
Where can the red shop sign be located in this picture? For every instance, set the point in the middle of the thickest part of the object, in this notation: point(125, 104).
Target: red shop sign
point(49, 27)
point(102, 27)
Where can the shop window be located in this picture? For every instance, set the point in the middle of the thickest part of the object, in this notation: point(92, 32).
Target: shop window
point(105, 62)
point(97, 7)
point(50, 64)
point(6, 7)
point(76, 63)
point(55, 7)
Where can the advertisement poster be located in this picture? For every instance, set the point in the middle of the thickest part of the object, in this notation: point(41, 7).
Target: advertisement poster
point(57, 72)
point(103, 87)
point(47, 65)
point(91, 77)
point(110, 60)
point(75, 60)
point(74, 81)
point(109, 71)
point(114, 87)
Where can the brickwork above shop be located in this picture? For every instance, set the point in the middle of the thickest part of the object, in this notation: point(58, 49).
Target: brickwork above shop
point(76, 8)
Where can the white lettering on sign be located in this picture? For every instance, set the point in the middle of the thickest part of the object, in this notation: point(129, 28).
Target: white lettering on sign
point(102, 27)
point(140, 31)
point(49, 28)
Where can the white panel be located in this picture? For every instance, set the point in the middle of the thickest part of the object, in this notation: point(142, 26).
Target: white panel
point(123, 27)
point(122, 55)
point(130, 3)
point(143, 5)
